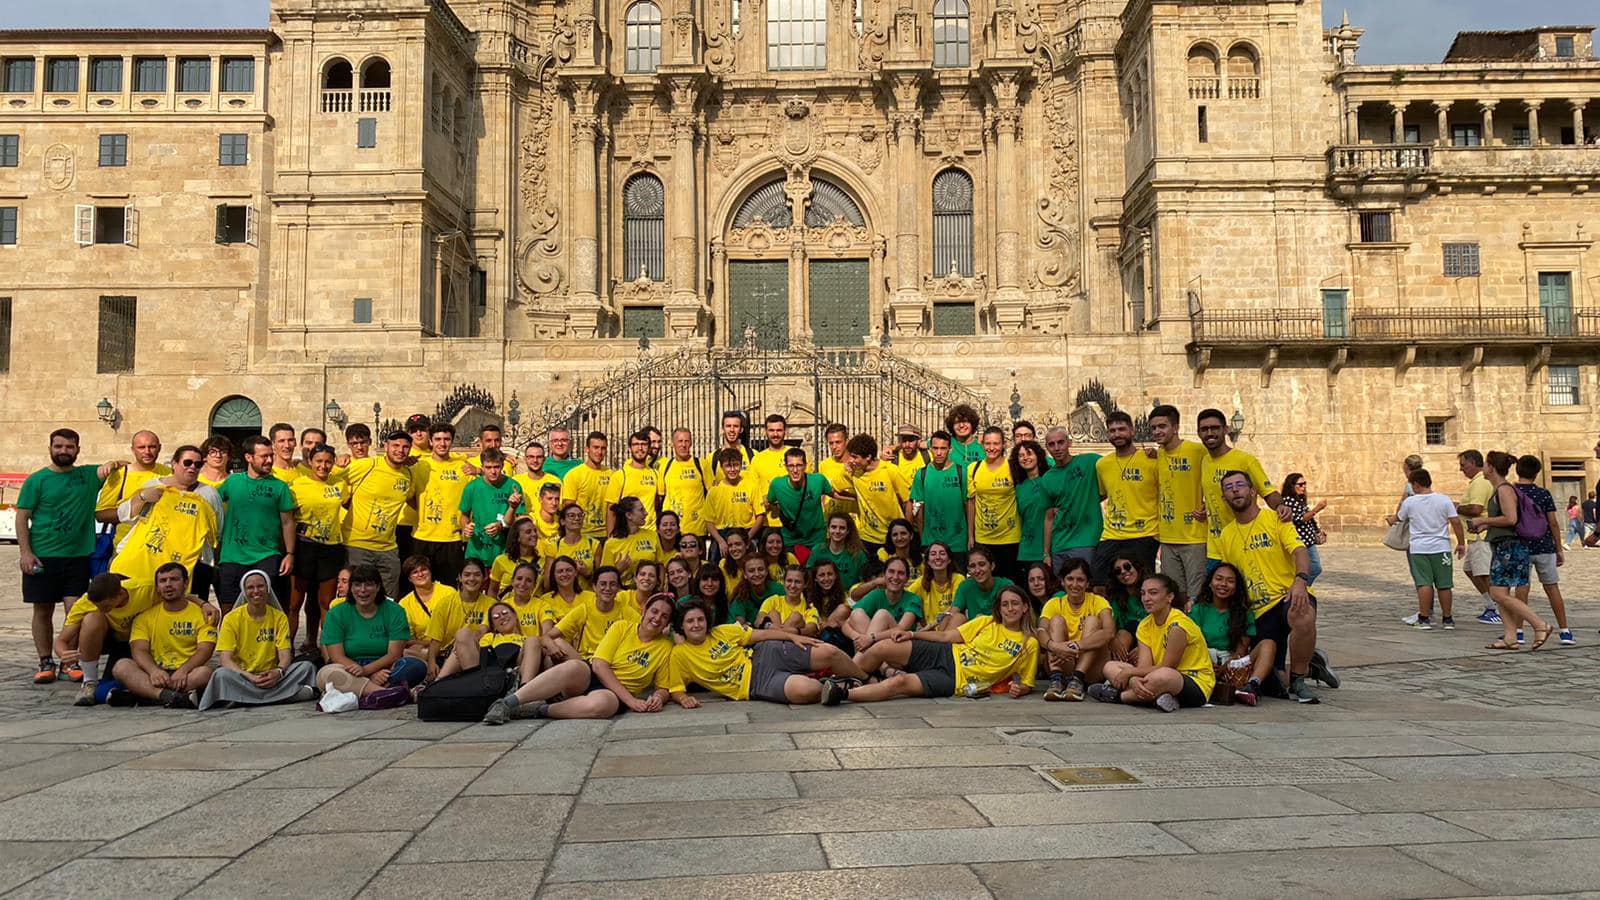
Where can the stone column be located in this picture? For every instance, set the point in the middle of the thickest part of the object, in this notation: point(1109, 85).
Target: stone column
point(1487, 108)
point(1010, 304)
point(1532, 106)
point(1442, 109)
point(906, 305)
point(1352, 122)
point(1577, 120)
point(1397, 109)
point(683, 308)
point(586, 314)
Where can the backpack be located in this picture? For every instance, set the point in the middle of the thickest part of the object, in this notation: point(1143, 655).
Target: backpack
point(464, 696)
point(1531, 523)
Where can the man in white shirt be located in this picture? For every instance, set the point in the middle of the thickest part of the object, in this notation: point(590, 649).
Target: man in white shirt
point(1431, 517)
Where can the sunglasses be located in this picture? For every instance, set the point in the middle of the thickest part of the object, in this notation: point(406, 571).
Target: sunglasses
point(188, 463)
point(1125, 568)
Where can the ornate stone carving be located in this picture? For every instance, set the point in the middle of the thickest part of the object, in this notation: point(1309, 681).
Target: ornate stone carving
point(955, 286)
point(60, 167)
point(793, 138)
point(640, 290)
point(538, 249)
point(1057, 261)
point(868, 147)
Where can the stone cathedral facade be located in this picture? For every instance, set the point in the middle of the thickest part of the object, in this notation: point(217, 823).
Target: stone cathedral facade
point(1204, 203)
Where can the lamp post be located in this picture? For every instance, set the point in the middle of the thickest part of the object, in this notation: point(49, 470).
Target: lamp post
point(336, 415)
point(377, 418)
point(514, 419)
point(1016, 398)
point(1235, 427)
point(106, 412)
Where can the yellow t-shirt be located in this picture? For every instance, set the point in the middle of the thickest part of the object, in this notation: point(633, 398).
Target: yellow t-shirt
point(439, 487)
point(682, 488)
point(141, 596)
point(1264, 552)
point(119, 486)
point(318, 509)
point(1218, 515)
point(994, 498)
point(1179, 494)
point(418, 615)
point(493, 639)
point(1092, 605)
point(291, 474)
point(530, 489)
point(173, 636)
point(908, 467)
point(547, 530)
point(254, 644)
point(1479, 493)
point(990, 653)
point(588, 487)
point(505, 566)
point(1129, 484)
point(640, 546)
point(529, 614)
point(780, 609)
point(379, 492)
point(176, 528)
point(641, 482)
point(766, 467)
point(452, 612)
point(714, 471)
point(637, 664)
point(553, 607)
point(881, 496)
point(408, 513)
point(838, 476)
point(1195, 661)
point(936, 599)
point(721, 663)
point(732, 505)
point(584, 625)
point(582, 552)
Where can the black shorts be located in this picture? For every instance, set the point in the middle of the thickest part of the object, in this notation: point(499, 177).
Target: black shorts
point(445, 559)
point(205, 576)
point(1141, 550)
point(595, 684)
point(1273, 625)
point(64, 578)
point(316, 563)
point(1191, 695)
point(934, 664)
point(115, 648)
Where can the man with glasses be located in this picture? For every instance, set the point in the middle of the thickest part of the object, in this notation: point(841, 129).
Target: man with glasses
point(259, 529)
point(636, 478)
point(561, 461)
point(1212, 426)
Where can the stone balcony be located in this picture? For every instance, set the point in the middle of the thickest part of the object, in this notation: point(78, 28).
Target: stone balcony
point(1362, 168)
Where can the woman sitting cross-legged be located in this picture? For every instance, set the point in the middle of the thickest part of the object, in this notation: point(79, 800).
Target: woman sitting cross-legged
point(628, 673)
point(364, 641)
point(501, 645)
point(1222, 612)
point(883, 611)
point(1174, 669)
point(744, 664)
point(986, 651)
point(1078, 625)
point(253, 657)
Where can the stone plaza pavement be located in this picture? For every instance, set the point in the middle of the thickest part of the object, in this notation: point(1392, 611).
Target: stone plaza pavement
point(1438, 770)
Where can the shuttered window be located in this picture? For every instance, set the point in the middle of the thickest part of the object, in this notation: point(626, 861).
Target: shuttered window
point(952, 223)
point(238, 75)
point(644, 228)
point(150, 75)
point(118, 321)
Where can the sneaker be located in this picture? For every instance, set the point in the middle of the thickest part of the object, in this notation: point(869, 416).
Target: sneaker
point(1488, 617)
point(1246, 694)
point(1319, 669)
point(1410, 620)
point(306, 692)
point(1057, 690)
point(1566, 637)
point(172, 699)
point(1519, 635)
point(121, 698)
point(1167, 703)
point(833, 693)
point(86, 694)
point(498, 713)
point(46, 673)
point(1420, 623)
point(1300, 686)
point(1105, 693)
point(1449, 624)
point(72, 672)
point(1075, 688)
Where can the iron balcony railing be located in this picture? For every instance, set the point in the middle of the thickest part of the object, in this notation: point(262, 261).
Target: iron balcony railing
point(1394, 325)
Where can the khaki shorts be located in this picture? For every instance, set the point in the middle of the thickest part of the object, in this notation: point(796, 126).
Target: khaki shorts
point(1479, 556)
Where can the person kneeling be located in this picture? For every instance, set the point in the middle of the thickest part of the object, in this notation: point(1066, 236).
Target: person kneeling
point(741, 663)
point(628, 673)
point(986, 651)
point(171, 644)
point(1183, 677)
point(253, 656)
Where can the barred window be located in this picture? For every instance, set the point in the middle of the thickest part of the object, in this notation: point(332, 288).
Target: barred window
point(150, 74)
point(767, 203)
point(952, 223)
point(1460, 260)
point(1433, 432)
point(118, 324)
point(830, 203)
point(1376, 228)
point(952, 34)
point(797, 34)
point(642, 33)
point(1563, 385)
point(643, 228)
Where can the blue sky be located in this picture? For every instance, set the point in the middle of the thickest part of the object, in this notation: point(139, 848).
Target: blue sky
point(1397, 30)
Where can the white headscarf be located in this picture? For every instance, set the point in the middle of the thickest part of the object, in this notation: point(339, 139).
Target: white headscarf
point(272, 597)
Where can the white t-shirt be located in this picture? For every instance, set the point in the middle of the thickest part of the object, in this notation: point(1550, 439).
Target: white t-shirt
point(1429, 515)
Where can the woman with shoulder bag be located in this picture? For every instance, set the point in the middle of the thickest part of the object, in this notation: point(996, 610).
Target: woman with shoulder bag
point(1304, 517)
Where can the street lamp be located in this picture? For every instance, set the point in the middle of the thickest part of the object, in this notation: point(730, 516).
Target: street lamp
point(335, 415)
point(1235, 426)
point(377, 416)
point(107, 412)
point(1016, 398)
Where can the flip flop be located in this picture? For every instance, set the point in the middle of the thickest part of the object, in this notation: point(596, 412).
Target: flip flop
point(1539, 637)
point(1502, 645)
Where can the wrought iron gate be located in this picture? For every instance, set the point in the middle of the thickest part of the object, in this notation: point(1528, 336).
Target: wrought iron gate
point(869, 390)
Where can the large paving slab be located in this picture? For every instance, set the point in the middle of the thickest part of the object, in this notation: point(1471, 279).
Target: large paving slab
point(971, 845)
point(490, 829)
point(1153, 805)
point(922, 781)
point(223, 825)
point(689, 788)
point(431, 881)
point(715, 763)
point(1427, 796)
point(306, 865)
point(144, 879)
point(1517, 867)
point(1298, 832)
point(888, 883)
point(392, 795)
point(627, 860)
point(717, 818)
point(22, 861)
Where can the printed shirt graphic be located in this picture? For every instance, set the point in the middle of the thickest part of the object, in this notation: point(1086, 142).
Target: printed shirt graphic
point(991, 653)
point(1264, 551)
point(1180, 494)
point(639, 665)
point(1130, 485)
point(252, 530)
point(643, 483)
point(1077, 492)
point(720, 663)
point(119, 486)
point(944, 505)
point(588, 487)
point(380, 493)
point(585, 625)
point(1195, 661)
point(439, 489)
point(254, 644)
point(731, 505)
point(173, 636)
point(176, 528)
point(880, 499)
point(683, 489)
point(486, 503)
point(63, 506)
point(994, 497)
point(318, 510)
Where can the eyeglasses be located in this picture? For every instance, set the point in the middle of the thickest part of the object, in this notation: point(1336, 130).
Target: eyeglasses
point(188, 463)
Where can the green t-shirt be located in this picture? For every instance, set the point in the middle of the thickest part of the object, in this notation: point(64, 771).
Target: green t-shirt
point(1213, 624)
point(750, 609)
point(850, 564)
point(800, 509)
point(485, 503)
point(365, 639)
point(974, 601)
point(251, 528)
point(879, 600)
point(1034, 499)
point(1127, 612)
point(560, 467)
point(962, 455)
point(943, 495)
point(63, 511)
point(1076, 495)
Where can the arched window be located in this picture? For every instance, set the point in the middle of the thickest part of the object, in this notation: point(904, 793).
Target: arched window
point(829, 203)
point(768, 203)
point(338, 75)
point(642, 33)
point(1244, 72)
point(375, 74)
point(643, 228)
point(797, 34)
point(1204, 77)
point(952, 35)
point(952, 223)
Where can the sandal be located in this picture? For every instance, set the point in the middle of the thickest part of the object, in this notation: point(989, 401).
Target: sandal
point(1540, 636)
point(1502, 645)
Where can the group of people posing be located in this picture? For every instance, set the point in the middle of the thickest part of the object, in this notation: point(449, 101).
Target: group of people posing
point(971, 563)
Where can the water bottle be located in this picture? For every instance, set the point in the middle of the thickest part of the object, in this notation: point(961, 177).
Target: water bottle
point(971, 690)
point(37, 569)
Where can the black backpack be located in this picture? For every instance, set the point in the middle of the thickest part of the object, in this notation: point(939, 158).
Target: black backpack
point(464, 696)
